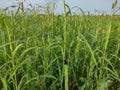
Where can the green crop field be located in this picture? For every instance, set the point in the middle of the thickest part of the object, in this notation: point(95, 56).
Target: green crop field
point(59, 53)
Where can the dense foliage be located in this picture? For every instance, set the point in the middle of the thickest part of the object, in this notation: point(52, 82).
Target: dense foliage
point(34, 52)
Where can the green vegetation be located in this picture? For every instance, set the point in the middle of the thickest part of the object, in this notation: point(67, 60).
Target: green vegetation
point(59, 53)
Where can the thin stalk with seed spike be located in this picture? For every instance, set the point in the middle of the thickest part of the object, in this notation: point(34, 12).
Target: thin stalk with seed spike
point(65, 66)
point(113, 7)
point(65, 22)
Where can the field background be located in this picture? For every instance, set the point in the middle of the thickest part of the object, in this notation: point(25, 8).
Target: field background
point(44, 52)
point(50, 52)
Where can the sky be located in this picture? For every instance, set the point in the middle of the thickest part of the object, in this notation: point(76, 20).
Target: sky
point(93, 6)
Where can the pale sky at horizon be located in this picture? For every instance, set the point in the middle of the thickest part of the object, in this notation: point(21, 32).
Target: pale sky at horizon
point(85, 5)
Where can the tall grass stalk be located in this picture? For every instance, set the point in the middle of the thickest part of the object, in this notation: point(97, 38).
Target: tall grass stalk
point(65, 61)
point(107, 38)
point(65, 30)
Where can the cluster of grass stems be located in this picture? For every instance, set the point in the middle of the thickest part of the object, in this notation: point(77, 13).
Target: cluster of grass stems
point(59, 52)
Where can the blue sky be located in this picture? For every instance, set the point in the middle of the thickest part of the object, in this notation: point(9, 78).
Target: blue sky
point(86, 5)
